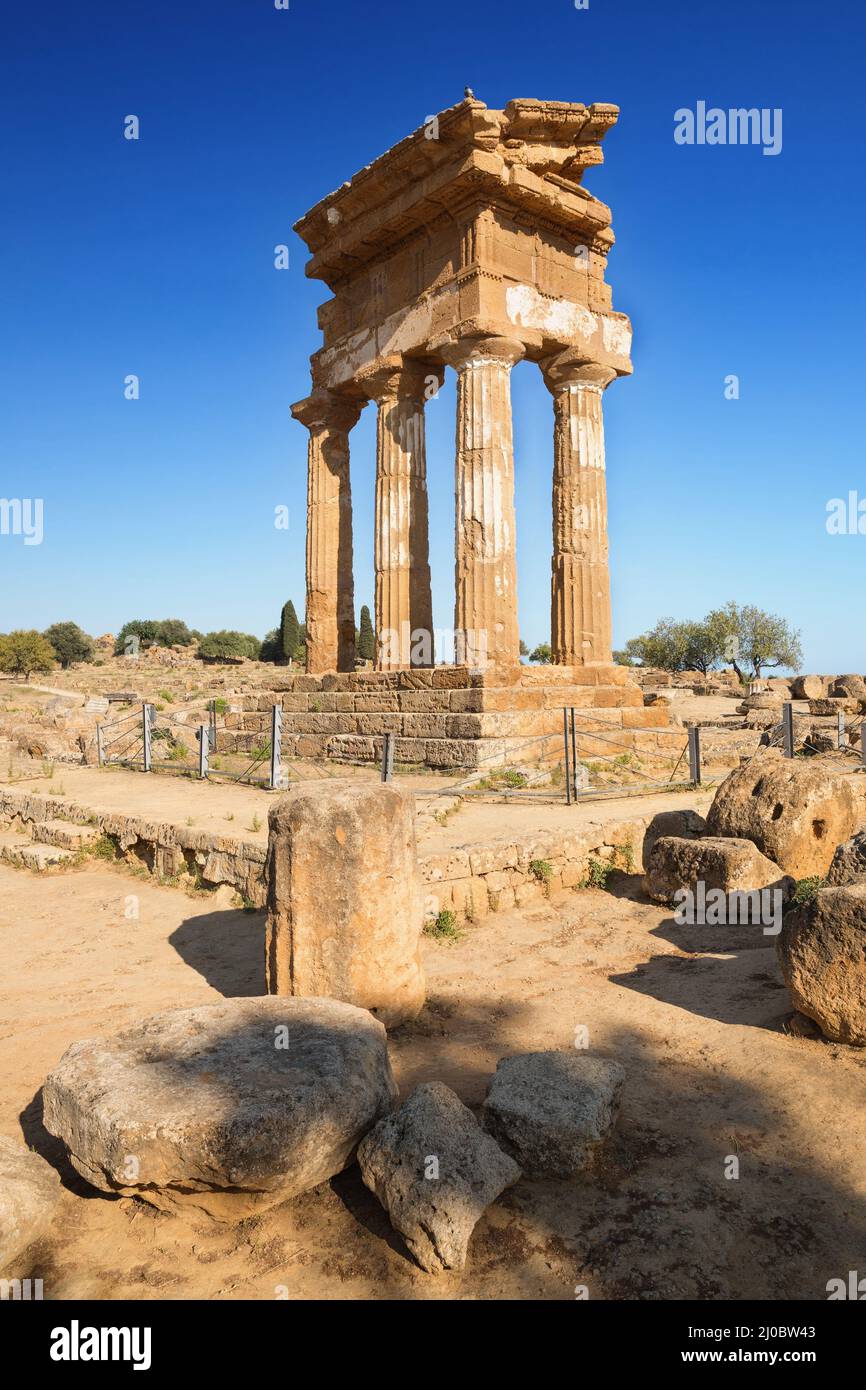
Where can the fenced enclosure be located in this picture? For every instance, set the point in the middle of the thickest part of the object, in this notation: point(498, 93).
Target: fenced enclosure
point(144, 739)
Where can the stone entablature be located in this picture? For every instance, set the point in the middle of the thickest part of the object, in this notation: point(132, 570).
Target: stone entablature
point(471, 244)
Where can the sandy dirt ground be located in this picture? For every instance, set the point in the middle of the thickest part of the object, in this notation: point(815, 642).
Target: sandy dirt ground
point(698, 1021)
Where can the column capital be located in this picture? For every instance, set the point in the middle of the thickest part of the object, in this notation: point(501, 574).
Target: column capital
point(399, 378)
point(326, 408)
point(470, 352)
point(569, 368)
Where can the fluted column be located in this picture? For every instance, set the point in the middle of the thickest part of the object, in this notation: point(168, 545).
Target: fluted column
point(330, 616)
point(403, 599)
point(580, 577)
point(485, 610)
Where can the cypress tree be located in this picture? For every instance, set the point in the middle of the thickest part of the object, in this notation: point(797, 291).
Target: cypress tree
point(289, 632)
point(366, 638)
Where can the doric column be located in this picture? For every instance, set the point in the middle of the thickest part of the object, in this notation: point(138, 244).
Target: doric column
point(330, 616)
point(580, 578)
point(485, 610)
point(403, 600)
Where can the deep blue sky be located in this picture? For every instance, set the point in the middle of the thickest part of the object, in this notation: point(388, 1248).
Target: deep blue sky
point(156, 257)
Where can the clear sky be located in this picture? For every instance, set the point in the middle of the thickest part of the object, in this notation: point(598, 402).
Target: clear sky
point(156, 257)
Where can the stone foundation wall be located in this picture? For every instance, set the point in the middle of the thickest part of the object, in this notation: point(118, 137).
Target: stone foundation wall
point(451, 717)
point(471, 882)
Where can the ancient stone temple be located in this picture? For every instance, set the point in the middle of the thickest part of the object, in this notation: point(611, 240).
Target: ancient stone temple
point(470, 246)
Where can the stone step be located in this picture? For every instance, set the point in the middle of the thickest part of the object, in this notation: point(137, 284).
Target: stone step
point(63, 834)
point(23, 853)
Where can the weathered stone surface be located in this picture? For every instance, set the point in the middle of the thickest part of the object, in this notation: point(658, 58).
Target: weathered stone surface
point(796, 812)
point(849, 862)
point(29, 1192)
point(687, 825)
point(230, 1107)
point(551, 1110)
point(344, 898)
point(734, 866)
point(835, 704)
point(809, 687)
point(435, 1171)
point(822, 953)
point(853, 687)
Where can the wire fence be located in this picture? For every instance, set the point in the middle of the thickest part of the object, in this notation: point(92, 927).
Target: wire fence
point(145, 739)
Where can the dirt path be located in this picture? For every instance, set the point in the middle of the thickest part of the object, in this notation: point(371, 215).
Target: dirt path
point(698, 1023)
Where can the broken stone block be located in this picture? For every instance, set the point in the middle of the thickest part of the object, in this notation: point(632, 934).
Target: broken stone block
point(686, 824)
point(796, 812)
point(345, 908)
point(822, 953)
point(853, 687)
point(435, 1171)
point(29, 1192)
point(230, 1107)
point(849, 862)
point(733, 866)
point(551, 1110)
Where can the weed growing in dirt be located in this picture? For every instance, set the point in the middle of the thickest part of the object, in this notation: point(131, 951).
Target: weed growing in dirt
point(443, 927)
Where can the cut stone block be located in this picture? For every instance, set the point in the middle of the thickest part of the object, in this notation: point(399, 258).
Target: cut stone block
point(733, 866)
point(822, 953)
point(345, 908)
point(688, 825)
point(435, 1172)
point(230, 1107)
point(29, 1192)
point(849, 862)
point(551, 1110)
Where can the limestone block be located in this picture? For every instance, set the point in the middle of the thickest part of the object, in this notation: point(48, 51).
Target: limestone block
point(551, 1110)
point(435, 1171)
point(29, 1192)
point(849, 861)
point(344, 898)
point(795, 812)
point(230, 1107)
point(733, 866)
point(686, 824)
point(822, 954)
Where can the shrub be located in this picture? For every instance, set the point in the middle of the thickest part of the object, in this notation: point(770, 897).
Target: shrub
point(229, 646)
point(542, 869)
point(444, 926)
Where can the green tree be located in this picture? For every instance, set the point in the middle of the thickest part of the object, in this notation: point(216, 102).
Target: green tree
point(289, 631)
point(24, 651)
point(145, 629)
point(69, 643)
point(366, 636)
point(172, 632)
point(229, 646)
point(542, 653)
point(752, 640)
point(272, 647)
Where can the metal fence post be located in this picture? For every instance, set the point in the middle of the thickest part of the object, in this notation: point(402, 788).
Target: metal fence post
point(100, 746)
point(388, 758)
point(574, 755)
point(203, 750)
point(145, 736)
point(211, 734)
point(788, 728)
point(840, 741)
point(276, 747)
point(695, 754)
point(567, 758)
